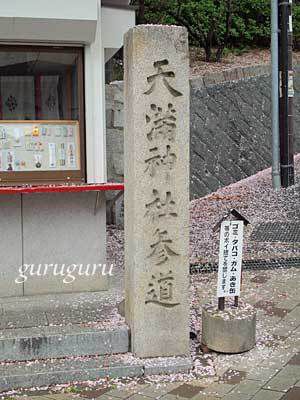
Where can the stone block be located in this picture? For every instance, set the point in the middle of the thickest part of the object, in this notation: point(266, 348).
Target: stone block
point(230, 331)
point(231, 74)
point(10, 245)
point(56, 372)
point(109, 115)
point(119, 211)
point(118, 116)
point(59, 342)
point(197, 83)
point(157, 195)
point(212, 79)
point(118, 91)
point(173, 365)
point(115, 152)
point(62, 229)
point(267, 395)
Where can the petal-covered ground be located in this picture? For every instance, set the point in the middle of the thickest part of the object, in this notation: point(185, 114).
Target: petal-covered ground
point(270, 371)
point(255, 199)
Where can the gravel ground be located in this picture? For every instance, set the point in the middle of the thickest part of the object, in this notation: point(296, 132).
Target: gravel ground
point(254, 198)
point(251, 57)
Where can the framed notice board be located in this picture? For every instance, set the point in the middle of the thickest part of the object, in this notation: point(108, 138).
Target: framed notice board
point(40, 151)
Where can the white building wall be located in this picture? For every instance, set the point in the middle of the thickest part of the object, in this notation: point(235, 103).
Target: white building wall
point(68, 217)
point(68, 21)
point(95, 107)
point(54, 9)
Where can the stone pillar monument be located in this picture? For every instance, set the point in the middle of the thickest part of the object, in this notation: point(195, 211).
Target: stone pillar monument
point(157, 189)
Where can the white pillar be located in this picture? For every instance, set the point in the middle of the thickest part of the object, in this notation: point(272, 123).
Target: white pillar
point(95, 107)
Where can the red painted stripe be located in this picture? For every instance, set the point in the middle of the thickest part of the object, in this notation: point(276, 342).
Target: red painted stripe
point(1, 109)
point(61, 188)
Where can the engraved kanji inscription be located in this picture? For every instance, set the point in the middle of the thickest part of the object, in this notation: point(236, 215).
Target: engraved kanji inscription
point(159, 207)
point(160, 161)
point(162, 75)
point(162, 124)
point(161, 248)
point(161, 290)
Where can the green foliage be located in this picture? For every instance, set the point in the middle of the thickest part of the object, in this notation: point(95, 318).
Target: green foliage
point(296, 23)
point(214, 23)
point(253, 21)
point(73, 389)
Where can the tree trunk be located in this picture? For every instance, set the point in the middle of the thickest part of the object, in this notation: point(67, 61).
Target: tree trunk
point(141, 12)
point(219, 53)
point(207, 53)
point(208, 46)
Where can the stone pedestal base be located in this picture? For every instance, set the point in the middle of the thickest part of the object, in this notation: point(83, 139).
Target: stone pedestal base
point(229, 331)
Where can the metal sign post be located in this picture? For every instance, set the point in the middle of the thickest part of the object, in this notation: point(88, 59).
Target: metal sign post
point(230, 261)
point(233, 330)
point(286, 93)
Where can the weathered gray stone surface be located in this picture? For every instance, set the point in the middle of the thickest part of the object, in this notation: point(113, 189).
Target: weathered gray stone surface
point(60, 342)
point(168, 366)
point(62, 229)
point(115, 130)
point(55, 372)
point(232, 331)
point(230, 133)
point(10, 245)
point(230, 127)
point(157, 189)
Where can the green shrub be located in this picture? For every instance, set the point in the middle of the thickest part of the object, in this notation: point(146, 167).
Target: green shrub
point(218, 24)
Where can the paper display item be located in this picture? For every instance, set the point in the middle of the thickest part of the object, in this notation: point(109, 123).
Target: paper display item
point(70, 131)
point(64, 131)
point(71, 155)
point(38, 160)
point(26, 147)
point(44, 131)
point(3, 133)
point(58, 131)
point(36, 131)
point(52, 155)
point(10, 160)
point(62, 155)
point(18, 137)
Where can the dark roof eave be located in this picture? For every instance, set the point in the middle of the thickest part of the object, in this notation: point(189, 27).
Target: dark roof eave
point(119, 5)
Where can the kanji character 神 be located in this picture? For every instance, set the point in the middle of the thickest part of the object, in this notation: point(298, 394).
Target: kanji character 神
point(157, 161)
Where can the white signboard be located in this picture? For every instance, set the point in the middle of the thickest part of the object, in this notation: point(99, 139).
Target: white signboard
point(230, 259)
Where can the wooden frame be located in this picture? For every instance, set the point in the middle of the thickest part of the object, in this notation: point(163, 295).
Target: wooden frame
point(15, 178)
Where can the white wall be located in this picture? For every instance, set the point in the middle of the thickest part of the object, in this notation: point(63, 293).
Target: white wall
point(95, 107)
point(69, 21)
point(56, 9)
point(112, 25)
point(115, 23)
